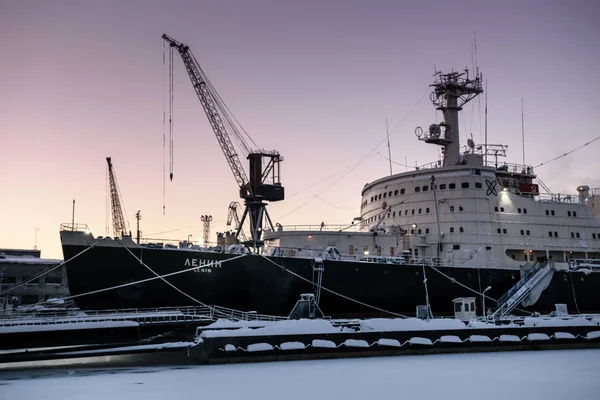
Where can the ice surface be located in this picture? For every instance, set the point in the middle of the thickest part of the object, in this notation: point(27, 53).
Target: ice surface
point(67, 326)
point(294, 327)
point(327, 344)
point(479, 338)
point(409, 324)
point(230, 347)
point(509, 338)
point(259, 347)
point(550, 322)
point(356, 343)
point(564, 335)
point(450, 339)
point(389, 342)
point(532, 337)
point(593, 335)
point(292, 346)
point(547, 375)
point(420, 340)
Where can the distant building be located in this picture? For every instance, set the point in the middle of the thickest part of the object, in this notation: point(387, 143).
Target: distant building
point(17, 266)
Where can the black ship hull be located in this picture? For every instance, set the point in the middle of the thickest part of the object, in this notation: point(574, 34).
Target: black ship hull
point(271, 285)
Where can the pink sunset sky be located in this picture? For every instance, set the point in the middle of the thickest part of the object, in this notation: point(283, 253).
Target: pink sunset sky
point(316, 80)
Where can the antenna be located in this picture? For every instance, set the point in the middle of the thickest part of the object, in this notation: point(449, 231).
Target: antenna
point(387, 130)
point(485, 129)
point(523, 129)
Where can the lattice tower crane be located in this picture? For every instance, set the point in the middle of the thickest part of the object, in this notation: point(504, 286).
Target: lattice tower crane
point(264, 182)
point(233, 216)
point(119, 223)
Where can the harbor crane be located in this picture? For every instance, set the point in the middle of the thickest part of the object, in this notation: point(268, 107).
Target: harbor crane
point(233, 216)
point(119, 227)
point(263, 184)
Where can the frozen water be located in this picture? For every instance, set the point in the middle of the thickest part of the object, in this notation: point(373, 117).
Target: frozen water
point(548, 375)
point(292, 346)
point(356, 343)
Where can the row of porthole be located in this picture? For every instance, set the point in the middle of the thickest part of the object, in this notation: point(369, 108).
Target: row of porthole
point(419, 211)
point(443, 186)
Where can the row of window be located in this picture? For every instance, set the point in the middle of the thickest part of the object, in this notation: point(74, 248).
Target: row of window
point(11, 280)
point(501, 209)
point(419, 211)
point(425, 188)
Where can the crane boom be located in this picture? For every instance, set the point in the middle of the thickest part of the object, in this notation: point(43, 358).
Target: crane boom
point(202, 88)
point(119, 228)
point(233, 216)
point(264, 183)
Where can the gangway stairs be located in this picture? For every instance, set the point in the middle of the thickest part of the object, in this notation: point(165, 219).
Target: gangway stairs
point(514, 297)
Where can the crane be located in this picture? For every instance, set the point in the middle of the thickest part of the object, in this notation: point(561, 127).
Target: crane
point(233, 216)
point(119, 228)
point(263, 184)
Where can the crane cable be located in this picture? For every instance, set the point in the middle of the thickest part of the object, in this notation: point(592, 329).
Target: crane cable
point(567, 153)
point(171, 98)
point(164, 73)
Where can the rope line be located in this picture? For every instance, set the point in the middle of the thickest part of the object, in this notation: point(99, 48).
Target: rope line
point(567, 153)
point(335, 293)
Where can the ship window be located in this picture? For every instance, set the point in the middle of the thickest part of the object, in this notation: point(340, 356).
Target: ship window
point(456, 247)
point(379, 196)
point(568, 213)
point(460, 208)
point(405, 212)
point(394, 214)
point(527, 232)
point(501, 209)
point(378, 250)
point(32, 282)
point(412, 211)
point(552, 212)
point(371, 199)
point(477, 172)
point(396, 192)
point(351, 250)
point(555, 234)
point(416, 252)
point(577, 234)
point(593, 236)
point(390, 193)
point(465, 185)
point(418, 189)
point(499, 230)
point(412, 231)
point(425, 188)
point(452, 230)
point(519, 210)
point(427, 210)
point(419, 231)
point(426, 230)
point(385, 195)
point(457, 307)
point(504, 231)
point(547, 212)
point(496, 209)
point(531, 257)
point(452, 208)
point(461, 230)
point(8, 280)
point(478, 185)
point(420, 210)
point(574, 213)
point(488, 247)
point(524, 211)
point(379, 217)
point(402, 191)
point(56, 280)
point(572, 235)
point(550, 233)
point(513, 256)
point(451, 186)
point(522, 232)
point(442, 186)
point(392, 251)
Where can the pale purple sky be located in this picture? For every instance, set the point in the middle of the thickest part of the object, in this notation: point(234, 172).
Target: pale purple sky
point(82, 80)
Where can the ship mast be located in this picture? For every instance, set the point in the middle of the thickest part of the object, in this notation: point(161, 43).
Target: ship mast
point(450, 93)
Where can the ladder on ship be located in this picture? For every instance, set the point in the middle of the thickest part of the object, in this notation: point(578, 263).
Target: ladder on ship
point(512, 298)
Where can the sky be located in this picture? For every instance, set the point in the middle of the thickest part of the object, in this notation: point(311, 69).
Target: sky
point(316, 80)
